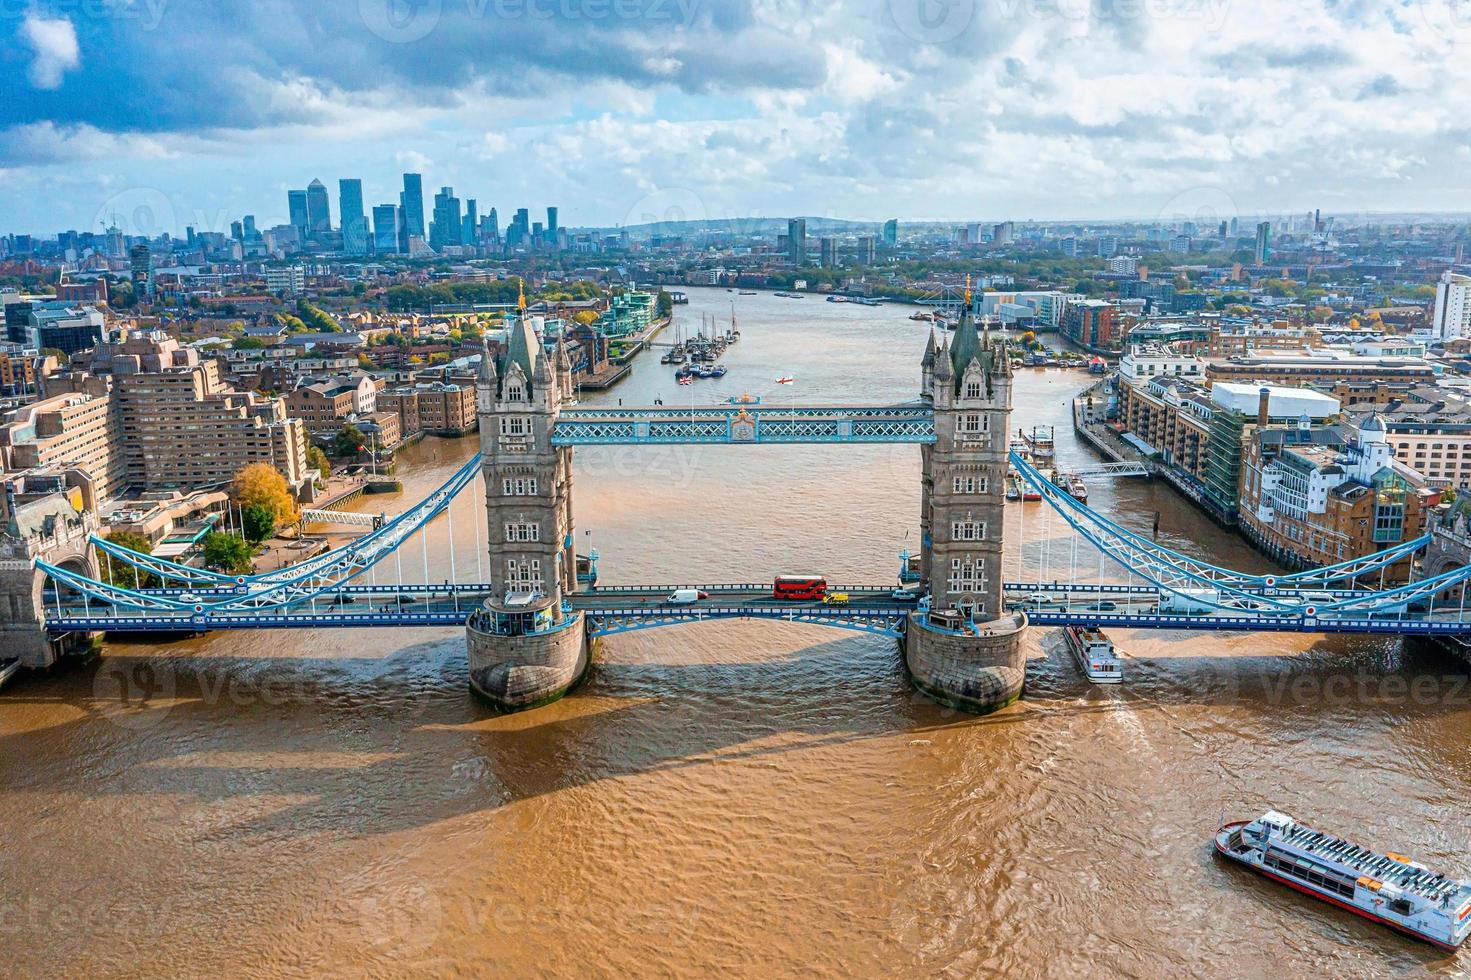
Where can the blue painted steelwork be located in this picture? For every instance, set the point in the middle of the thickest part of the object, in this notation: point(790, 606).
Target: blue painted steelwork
point(361, 553)
point(1207, 585)
point(745, 423)
point(1250, 623)
point(1205, 572)
point(872, 619)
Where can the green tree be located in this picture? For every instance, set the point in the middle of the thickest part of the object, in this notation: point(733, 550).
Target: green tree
point(258, 522)
point(665, 303)
point(317, 318)
point(349, 441)
point(226, 553)
point(318, 461)
point(119, 572)
point(249, 343)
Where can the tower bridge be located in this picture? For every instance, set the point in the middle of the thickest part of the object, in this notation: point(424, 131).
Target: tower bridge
point(533, 610)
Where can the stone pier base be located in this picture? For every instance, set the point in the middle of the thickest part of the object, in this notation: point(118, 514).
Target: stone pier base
point(979, 673)
point(513, 673)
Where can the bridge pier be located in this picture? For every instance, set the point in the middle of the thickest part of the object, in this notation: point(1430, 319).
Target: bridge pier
point(513, 673)
point(980, 672)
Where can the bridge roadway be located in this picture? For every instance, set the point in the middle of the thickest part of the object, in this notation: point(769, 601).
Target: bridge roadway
point(870, 608)
point(624, 607)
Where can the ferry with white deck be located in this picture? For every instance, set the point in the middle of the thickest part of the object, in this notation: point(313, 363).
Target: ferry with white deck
point(1386, 888)
point(1094, 653)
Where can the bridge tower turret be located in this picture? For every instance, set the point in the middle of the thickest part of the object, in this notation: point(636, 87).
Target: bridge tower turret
point(525, 647)
point(965, 650)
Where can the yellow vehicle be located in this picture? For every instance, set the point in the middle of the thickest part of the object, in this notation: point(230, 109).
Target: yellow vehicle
point(835, 599)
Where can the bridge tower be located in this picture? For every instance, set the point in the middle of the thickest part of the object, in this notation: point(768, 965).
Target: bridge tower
point(52, 530)
point(525, 648)
point(965, 650)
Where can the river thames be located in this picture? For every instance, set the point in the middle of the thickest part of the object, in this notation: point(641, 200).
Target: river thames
point(753, 799)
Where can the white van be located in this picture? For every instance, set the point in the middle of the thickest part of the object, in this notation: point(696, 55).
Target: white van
point(685, 597)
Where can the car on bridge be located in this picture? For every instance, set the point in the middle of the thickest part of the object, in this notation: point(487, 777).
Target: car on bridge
point(905, 595)
point(685, 597)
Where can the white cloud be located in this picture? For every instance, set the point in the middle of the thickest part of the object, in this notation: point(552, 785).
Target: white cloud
point(1074, 108)
point(54, 43)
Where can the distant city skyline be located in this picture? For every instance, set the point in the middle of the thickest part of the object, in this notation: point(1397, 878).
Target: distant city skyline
point(663, 109)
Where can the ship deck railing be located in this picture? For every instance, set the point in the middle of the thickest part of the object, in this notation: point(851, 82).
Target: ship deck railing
point(1430, 885)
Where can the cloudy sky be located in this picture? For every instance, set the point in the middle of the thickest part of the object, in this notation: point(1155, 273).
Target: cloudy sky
point(174, 112)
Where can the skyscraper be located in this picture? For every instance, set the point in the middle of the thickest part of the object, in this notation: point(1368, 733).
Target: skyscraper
point(411, 210)
point(354, 224)
point(868, 247)
point(891, 231)
point(492, 227)
point(447, 222)
point(552, 225)
point(1452, 307)
point(797, 240)
point(385, 229)
point(318, 210)
point(296, 207)
point(140, 261)
point(1263, 241)
point(469, 226)
point(828, 246)
point(519, 230)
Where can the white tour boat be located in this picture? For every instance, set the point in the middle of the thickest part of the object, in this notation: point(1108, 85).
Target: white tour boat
point(1386, 888)
point(1094, 653)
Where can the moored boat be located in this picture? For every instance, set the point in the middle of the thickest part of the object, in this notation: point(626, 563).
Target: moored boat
point(1076, 488)
point(1387, 888)
point(1040, 441)
point(1094, 653)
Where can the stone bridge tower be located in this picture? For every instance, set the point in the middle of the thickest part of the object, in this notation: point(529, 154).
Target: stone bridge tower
point(524, 649)
point(52, 530)
point(1448, 550)
point(964, 650)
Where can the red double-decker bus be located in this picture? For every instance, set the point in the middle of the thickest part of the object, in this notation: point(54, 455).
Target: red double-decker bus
point(799, 587)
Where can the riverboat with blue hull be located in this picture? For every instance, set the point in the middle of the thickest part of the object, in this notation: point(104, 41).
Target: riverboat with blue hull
point(1386, 888)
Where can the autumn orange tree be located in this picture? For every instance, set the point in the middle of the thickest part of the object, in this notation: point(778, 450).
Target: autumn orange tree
point(261, 485)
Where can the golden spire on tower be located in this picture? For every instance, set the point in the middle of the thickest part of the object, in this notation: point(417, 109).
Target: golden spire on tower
point(967, 290)
point(521, 297)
